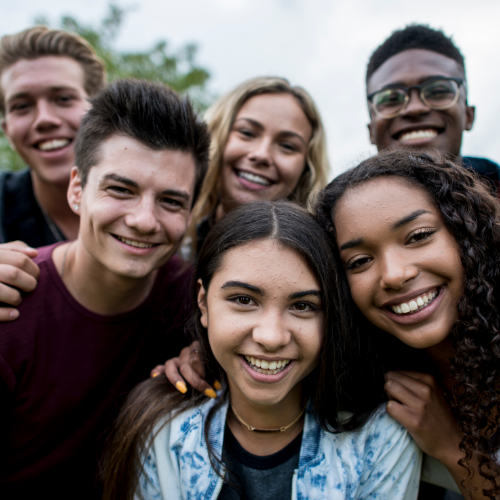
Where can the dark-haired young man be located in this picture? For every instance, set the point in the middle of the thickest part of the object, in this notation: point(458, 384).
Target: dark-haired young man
point(417, 96)
point(109, 305)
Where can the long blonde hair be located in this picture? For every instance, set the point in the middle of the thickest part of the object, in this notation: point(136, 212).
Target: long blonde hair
point(220, 118)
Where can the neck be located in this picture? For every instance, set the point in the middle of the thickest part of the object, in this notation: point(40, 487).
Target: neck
point(440, 356)
point(53, 201)
point(262, 416)
point(94, 286)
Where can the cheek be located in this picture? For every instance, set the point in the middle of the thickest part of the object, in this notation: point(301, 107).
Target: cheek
point(175, 225)
point(234, 150)
point(290, 169)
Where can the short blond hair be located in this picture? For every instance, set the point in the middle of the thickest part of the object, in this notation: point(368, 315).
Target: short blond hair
point(41, 41)
point(220, 118)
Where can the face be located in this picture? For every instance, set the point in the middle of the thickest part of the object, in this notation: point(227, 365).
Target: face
point(265, 154)
point(135, 206)
point(45, 100)
point(402, 264)
point(264, 320)
point(418, 125)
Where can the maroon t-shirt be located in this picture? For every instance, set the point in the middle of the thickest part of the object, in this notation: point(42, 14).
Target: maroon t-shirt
point(65, 370)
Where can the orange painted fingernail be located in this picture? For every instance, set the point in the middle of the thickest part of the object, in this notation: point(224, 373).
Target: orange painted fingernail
point(217, 385)
point(210, 393)
point(155, 374)
point(181, 387)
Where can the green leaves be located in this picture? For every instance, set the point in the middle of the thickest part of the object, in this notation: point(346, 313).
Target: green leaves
point(178, 69)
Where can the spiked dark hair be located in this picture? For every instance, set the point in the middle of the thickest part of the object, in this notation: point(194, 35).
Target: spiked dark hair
point(151, 113)
point(414, 36)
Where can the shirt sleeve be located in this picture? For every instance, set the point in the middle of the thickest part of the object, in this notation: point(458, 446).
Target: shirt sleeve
point(148, 487)
point(393, 461)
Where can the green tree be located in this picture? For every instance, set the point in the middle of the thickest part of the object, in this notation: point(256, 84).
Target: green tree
point(177, 69)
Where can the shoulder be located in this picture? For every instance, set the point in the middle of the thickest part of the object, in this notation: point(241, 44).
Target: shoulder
point(45, 254)
point(481, 165)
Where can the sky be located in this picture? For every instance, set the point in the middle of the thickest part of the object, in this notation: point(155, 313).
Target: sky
point(321, 45)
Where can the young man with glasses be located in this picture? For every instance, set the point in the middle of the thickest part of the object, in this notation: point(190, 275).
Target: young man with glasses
point(417, 96)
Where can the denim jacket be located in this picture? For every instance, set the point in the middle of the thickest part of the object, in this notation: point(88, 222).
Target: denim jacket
point(380, 460)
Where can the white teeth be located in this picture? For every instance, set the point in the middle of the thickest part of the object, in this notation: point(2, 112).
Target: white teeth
point(415, 135)
point(137, 244)
point(257, 179)
point(53, 144)
point(267, 367)
point(415, 304)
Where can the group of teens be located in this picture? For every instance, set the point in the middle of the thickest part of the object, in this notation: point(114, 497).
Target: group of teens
point(336, 341)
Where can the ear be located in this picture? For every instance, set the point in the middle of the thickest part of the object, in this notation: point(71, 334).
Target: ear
point(470, 115)
point(75, 190)
point(5, 128)
point(202, 304)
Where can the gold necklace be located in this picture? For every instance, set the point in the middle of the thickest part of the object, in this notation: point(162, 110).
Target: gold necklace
point(253, 429)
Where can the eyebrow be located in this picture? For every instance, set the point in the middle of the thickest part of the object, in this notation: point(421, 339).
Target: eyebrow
point(286, 133)
point(259, 291)
point(411, 217)
point(242, 284)
point(401, 222)
point(131, 183)
point(420, 81)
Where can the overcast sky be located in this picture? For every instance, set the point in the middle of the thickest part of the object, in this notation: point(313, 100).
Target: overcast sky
point(322, 45)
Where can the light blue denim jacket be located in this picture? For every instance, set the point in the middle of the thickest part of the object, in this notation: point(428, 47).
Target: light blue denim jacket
point(379, 461)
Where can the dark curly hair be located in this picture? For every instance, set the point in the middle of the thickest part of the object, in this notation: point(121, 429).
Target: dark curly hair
point(414, 36)
point(472, 215)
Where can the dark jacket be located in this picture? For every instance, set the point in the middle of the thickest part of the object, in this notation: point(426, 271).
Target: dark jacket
point(20, 215)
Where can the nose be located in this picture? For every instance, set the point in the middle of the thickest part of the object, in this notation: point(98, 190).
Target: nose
point(271, 331)
point(46, 117)
point(396, 271)
point(261, 152)
point(143, 216)
point(415, 105)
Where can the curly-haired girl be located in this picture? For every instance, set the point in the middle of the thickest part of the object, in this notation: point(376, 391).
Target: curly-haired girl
point(419, 239)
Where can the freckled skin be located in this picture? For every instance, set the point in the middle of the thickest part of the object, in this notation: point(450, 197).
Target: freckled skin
point(272, 325)
point(391, 263)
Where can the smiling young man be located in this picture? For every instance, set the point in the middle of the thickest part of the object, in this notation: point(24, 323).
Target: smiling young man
point(110, 304)
point(417, 96)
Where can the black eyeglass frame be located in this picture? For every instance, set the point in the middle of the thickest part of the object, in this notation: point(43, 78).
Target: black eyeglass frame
point(407, 90)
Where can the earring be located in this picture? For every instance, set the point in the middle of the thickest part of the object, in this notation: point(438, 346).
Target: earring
point(76, 207)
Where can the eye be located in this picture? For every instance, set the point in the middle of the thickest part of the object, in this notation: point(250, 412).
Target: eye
point(19, 107)
point(172, 202)
point(304, 307)
point(246, 132)
point(120, 190)
point(420, 235)
point(289, 146)
point(242, 300)
point(354, 264)
point(64, 99)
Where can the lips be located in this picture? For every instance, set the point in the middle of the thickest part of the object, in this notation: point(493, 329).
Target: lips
point(416, 135)
point(135, 243)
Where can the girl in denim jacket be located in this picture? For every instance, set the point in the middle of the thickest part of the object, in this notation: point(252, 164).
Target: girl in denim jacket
point(291, 419)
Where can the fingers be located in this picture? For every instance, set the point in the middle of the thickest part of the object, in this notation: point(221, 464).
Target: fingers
point(20, 246)
point(191, 356)
point(422, 387)
point(157, 370)
point(8, 314)
point(401, 394)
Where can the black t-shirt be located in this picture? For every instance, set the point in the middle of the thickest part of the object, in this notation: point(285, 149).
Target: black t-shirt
point(253, 477)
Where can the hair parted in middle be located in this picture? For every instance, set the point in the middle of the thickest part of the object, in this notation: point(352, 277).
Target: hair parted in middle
point(151, 113)
point(472, 216)
point(220, 118)
point(332, 386)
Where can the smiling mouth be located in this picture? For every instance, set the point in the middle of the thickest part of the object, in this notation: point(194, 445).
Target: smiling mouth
point(52, 145)
point(416, 304)
point(134, 243)
point(266, 367)
point(417, 135)
point(256, 179)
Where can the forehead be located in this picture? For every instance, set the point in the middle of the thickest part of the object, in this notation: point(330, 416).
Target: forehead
point(281, 110)
point(160, 170)
point(376, 203)
point(269, 265)
point(411, 67)
point(42, 74)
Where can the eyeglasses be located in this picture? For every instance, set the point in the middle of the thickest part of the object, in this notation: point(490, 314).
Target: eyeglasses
point(438, 93)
